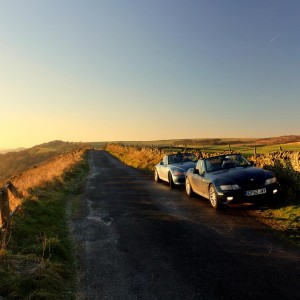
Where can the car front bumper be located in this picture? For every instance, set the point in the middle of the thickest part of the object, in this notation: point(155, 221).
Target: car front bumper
point(179, 180)
point(239, 196)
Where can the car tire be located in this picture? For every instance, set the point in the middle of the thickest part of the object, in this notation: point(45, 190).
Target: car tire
point(213, 197)
point(171, 182)
point(188, 188)
point(156, 176)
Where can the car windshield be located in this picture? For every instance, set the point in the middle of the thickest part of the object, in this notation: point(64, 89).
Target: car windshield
point(222, 162)
point(182, 157)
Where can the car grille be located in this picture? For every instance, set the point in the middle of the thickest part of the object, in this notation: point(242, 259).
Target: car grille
point(253, 184)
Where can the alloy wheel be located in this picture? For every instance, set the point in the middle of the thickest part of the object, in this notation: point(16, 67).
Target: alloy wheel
point(213, 197)
point(188, 187)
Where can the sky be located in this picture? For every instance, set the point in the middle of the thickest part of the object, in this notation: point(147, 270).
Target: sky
point(140, 70)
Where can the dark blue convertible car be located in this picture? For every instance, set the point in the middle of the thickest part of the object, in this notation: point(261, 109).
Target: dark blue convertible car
point(230, 179)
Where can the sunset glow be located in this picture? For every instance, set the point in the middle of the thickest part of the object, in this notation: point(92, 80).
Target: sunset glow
point(147, 70)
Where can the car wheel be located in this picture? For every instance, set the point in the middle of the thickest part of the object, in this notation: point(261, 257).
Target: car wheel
point(213, 197)
point(188, 188)
point(171, 182)
point(156, 176)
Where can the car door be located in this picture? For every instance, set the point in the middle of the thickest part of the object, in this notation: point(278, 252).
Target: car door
point(205, 185)
point(197, 178)
point(164, 169)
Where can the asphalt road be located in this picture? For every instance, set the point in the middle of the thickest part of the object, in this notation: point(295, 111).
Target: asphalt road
point(137, 239)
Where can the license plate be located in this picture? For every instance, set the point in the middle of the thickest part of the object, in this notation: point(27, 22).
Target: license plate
point(256, 192)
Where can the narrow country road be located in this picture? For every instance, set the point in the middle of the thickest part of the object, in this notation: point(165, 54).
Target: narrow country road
point(137, 239)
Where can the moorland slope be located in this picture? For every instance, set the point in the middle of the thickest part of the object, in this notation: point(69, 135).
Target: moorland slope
point(13, 163)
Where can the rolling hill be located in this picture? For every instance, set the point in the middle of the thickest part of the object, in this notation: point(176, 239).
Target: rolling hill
point(13, 163)
point(213, 141)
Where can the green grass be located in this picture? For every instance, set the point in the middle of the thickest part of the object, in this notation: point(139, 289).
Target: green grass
point(248, 150)
point(283, 217)
point(274, 148)
point(38, 262)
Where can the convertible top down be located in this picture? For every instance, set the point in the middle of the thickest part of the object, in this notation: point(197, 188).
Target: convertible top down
point(173, 167)
point(230, 179)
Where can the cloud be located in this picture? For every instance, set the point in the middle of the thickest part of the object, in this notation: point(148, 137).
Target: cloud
point(274, 38)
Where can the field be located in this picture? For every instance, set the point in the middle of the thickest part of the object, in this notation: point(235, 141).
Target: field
point(246, 146)
point(247, 150)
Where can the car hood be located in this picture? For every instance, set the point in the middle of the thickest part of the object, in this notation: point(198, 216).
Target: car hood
point(184, 165)
point(242, 176)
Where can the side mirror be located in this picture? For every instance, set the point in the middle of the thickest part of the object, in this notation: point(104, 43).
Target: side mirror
point(195, 171)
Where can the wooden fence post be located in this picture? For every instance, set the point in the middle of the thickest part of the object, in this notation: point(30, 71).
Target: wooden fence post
point(5, 215)
point(13, 190)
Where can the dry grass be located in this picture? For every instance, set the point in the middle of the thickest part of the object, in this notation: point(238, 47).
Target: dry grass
point(43, 174)
point(142, 158)
point(147, 157)
point(38, 261)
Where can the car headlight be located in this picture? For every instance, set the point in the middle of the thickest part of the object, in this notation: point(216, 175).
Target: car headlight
point(179, 173)
point(229, 187)
point(270, 181)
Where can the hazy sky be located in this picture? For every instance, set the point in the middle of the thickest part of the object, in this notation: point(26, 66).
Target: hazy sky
point(106, 70)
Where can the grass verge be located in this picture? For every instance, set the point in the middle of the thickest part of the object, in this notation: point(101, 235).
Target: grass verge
point(38, 262)
point(283, 217)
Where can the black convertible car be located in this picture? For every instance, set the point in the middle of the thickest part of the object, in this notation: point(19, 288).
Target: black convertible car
point(230, 179)
point(173, 167)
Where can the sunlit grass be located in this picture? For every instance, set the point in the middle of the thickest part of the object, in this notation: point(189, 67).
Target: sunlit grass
point(283, 218)
point(145, 158)
point(38, 261)
point(43, 174)
point(249, 150)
